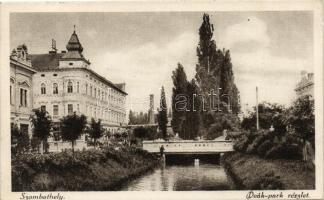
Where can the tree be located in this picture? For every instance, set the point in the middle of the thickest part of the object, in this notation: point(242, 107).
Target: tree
point(72, 127)
point(163, 118)
point(269, 115)
point(192, 122)
point(214, 73)
point(19, 140)
point(179, 92)
point(42, 124)
point(95, 131)
point(301, 119)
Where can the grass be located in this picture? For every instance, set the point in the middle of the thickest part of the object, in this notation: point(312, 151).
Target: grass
point(250, 171)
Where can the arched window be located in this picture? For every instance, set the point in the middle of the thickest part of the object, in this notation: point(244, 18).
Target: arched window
point(77, 87)
point(90, 90)
point(43, 88)
point(86, 88)
point(55, 88)
point(70, 87)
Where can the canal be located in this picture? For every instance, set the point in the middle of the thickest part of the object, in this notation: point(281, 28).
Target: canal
point(183, 178)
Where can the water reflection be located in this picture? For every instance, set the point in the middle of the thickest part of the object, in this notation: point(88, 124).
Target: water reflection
point(183, 178)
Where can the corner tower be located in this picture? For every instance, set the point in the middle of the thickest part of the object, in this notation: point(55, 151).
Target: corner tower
point(74, 58)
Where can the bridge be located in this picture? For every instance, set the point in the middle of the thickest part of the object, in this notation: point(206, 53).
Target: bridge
point(189, 146)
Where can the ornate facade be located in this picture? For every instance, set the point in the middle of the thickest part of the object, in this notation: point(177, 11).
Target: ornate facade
point(306, 85)
point(21, 89)
point(65, 83)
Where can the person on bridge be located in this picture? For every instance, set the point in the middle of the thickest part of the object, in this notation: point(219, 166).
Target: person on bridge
point(162, 150)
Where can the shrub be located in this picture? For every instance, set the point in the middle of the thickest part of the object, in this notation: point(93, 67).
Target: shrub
point(264, 147)
point(86, 170)
point(241, 145)
point(284, 151)
point(261, 136)
point(268, 182)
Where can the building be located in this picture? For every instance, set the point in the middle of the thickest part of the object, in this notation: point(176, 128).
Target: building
point(21, 89)
point(306, 85)
point(65, 83)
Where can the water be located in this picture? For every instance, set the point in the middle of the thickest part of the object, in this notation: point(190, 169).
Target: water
point(183, 178)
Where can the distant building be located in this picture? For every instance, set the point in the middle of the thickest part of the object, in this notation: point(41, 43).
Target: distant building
point(65, 83)
point(21, 89)
point(306, 85)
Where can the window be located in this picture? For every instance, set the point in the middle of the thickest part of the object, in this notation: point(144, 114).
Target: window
point(42, 75)
point(70, 109)
point(99, 94)
point(43, 88)
point(86, 88)
point(55, 109)
point(55, 88)
point(95, 92)
point(54, 74)
point(70, 87)
point(23, 97)
point(43, 108)
point(90, 90)
point(70, 63)
point(77, 87)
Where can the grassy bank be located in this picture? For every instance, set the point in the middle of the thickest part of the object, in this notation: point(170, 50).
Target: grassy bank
point(253, 172)
point(91, 170)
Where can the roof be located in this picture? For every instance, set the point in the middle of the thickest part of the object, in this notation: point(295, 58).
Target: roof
point(45, 61)
point(74, 43)
point(50, 62)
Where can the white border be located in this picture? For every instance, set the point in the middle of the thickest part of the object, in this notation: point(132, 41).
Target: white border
point(140, 6)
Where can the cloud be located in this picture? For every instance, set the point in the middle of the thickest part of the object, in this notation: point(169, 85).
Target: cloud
point(255, 65)
point(147, 67)
point(250, 31)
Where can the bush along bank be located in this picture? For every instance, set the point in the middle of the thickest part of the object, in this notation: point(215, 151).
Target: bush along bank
point(90, 170)
point(250, 172)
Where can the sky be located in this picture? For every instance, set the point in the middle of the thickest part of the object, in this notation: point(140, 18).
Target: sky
point(268, 49)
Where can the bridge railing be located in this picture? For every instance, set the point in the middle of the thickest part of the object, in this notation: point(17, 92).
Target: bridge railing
point(188, 146)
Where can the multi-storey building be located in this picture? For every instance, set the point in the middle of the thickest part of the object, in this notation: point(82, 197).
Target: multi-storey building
point(65, 83)
point(21, 89)
point(306, 85)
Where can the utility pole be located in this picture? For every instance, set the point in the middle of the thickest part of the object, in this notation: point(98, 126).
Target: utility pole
point(257, 109)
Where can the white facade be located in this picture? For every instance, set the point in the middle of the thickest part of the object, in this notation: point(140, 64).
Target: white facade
point(64, 84)
point(89, 96)
point(21, 89)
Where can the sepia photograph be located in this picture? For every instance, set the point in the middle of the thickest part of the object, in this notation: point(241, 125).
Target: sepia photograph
point(172, 100)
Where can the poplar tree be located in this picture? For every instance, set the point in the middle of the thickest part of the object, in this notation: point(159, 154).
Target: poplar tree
point(163, 115)
point(192, 126)
point(179, 92)
point(214, 73)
